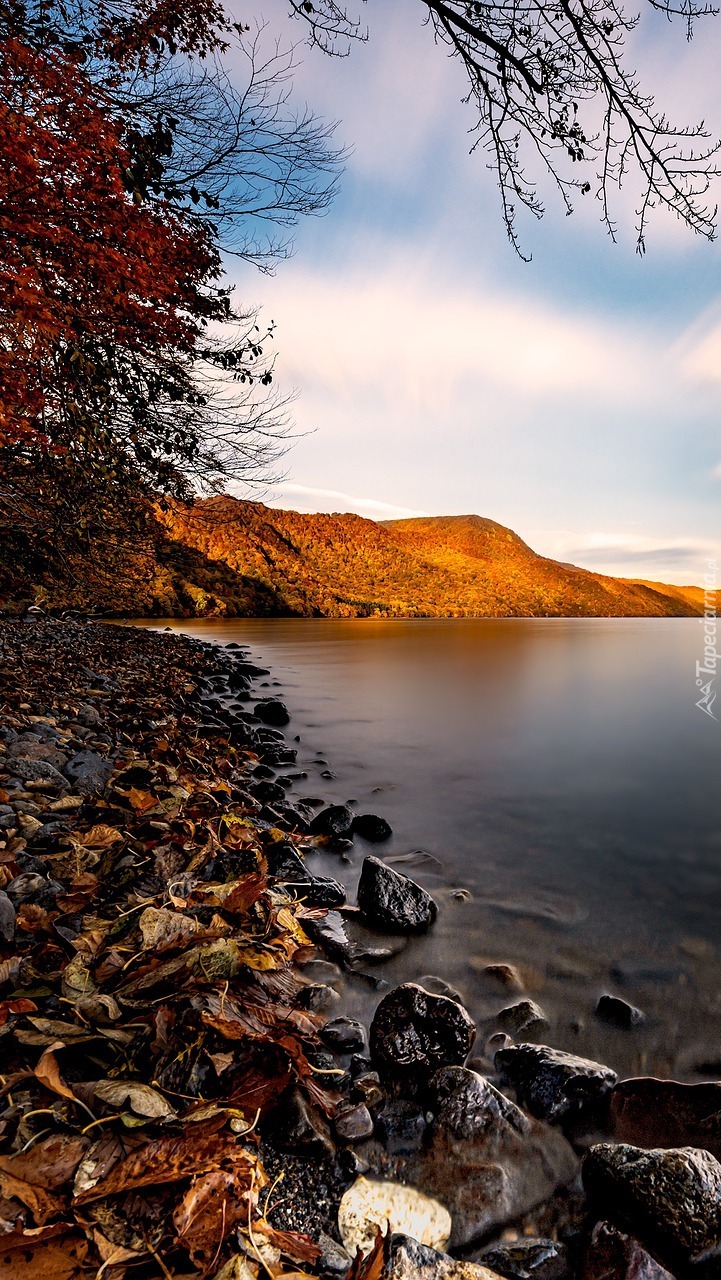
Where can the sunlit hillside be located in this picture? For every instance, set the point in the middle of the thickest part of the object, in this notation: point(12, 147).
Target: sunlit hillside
point(237, 557)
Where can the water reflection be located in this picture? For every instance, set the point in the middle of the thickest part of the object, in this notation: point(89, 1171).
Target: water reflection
point(559, 770)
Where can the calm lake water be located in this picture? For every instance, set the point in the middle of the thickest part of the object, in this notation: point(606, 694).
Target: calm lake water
point(552, 783)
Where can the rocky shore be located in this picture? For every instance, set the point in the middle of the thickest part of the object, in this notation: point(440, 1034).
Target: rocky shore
point(182, 1092)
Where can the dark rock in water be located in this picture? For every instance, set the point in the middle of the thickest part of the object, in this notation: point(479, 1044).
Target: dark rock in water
point(611, 1255)
point(666, 1113)
point(320, 891)
point(670, 1197)
point(522, 1018)
point(343, 1035)
point(353, 1124)
point(299, 1126)
point(551, 1084)
point(330, 934)
point(268, 792)
point(439, 987)
point(528, 1260)
point(409, 1260)
point(414, 1032)
point(250, 670)
point(334, 821)
point(484, 1158)
point(370, 827)
point(629, 973)
point(317, 997)
point(285, 863)
point(619, 1013)
point(392, 901)
point(272, 712)
point(400, 1127)
point(88, 772)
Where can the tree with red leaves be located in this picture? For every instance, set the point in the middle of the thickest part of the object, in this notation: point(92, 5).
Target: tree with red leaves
point(128, 166)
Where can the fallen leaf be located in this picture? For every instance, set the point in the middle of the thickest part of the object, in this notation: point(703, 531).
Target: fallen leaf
point(211, 1208)
point(49, 1164)
point(168, 1160)
point(143, 1100)
point(36, 1255)
point(21, 1005)
point(47, 1072)
point(40, 1202)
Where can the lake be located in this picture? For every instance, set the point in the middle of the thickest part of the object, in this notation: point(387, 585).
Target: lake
point(554, 786)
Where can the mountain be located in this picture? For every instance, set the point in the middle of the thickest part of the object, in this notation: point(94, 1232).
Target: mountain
point(228, 556)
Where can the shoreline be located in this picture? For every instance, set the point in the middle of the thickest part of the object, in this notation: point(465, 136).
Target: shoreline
point(163, 980)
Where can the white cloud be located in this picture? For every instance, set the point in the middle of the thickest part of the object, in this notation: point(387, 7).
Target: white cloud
point(680, 560)
point(301, 497)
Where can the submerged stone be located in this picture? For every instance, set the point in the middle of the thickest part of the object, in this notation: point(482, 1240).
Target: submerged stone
point(392, 901)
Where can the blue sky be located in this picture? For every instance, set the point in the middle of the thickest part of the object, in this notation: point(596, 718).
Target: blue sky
point(575, 398)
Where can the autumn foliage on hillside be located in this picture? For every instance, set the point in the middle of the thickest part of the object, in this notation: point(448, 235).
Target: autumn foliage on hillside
point(286, 562)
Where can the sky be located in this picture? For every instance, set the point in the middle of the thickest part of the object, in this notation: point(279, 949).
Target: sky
point(575, 398)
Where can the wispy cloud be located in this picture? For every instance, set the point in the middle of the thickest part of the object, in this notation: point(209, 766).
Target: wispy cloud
point(301, 497)
point(681, 560)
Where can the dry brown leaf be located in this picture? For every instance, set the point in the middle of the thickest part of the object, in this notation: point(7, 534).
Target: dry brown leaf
point(372, 1266)
point(36, 1255)
point(294, 1244)
point(40, 1202)
point(48, 1164)
point(211, 1208)
point(141, 801)
point(168, 1160)
point(99, 837)
point(21, 1005)
point(47, 1072)
point(112, 1254)
point(141, 1099)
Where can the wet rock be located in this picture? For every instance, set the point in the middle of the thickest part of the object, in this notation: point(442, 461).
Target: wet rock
point(400, 1127)
point(267, 792)
point(300, 1127)
point(88, 772)
point(415, 1032)
point(317, 998)
point(410, 1260)
point(439, 987)
point(484, 1158)
point(27, 748)
point(370, 1204)
point(392, 901)
point(331, 935)
point(611, 1255)
point(619, 1013)
point(320, 891)
point(666, 1113)
point(670, 1197)
point(506, 975)
point(551, 1084)
point(335, 821)
point(522, 1018)
point(370, 827)
point(366, 1084)
point(353, 1124)
point(528, 1259)
point(343, 1035)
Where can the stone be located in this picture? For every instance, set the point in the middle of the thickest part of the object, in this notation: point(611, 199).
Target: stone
point(666, 1113)
point(370, 1204)
point(670, 1197)
point(611, 1255)
point(267, 792)
point(37, 771)
point(317, 997)
point(507, 975)
point(521, 1018)
point(370, 827)
point(353, 1124)
point(392, 901)
point(88, 772)
point(619, 1013)
point(551, 1084)
point(272, 712)
point(343, 1035)
point(439, 987)
point(410, 1260)
point(330, 934)
point(320, 891)
point(300, 1127)
point(336, 820)
point(484, 1158)
point(333, 1256)
point(415, 1032)
point(528, 1259)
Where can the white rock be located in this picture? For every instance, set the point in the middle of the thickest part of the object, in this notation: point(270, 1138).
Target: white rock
point(370, 1204)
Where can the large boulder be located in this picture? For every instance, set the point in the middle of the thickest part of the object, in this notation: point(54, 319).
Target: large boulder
point(484, 1158)
point(393, 902)
point(413, 1033)
point(669, 1197)
point(612, 1255)
point(551, 1084)
point(666, 1113)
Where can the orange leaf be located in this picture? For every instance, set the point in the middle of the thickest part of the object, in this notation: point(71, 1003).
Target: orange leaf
point(47, 1072)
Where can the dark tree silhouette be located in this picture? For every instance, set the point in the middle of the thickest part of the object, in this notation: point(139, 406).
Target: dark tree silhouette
point(550, 84)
